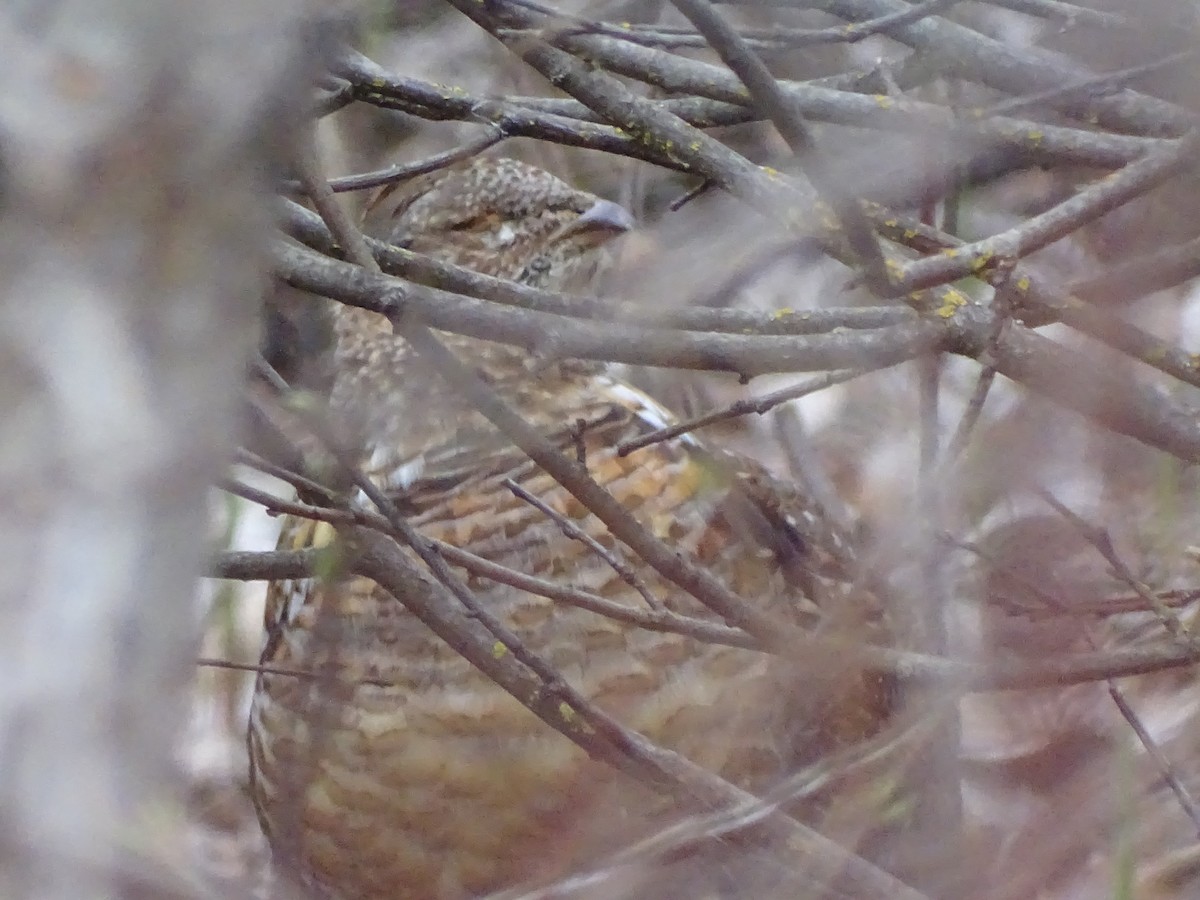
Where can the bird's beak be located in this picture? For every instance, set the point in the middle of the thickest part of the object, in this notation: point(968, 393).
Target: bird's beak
point(604, 216)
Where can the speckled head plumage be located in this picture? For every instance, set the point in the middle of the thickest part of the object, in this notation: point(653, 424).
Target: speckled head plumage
point(499, 217)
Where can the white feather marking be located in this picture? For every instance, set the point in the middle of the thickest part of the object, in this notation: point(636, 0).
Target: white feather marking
point(387, 474)
point(404, 475)
point(295, 592)
point(646, 408)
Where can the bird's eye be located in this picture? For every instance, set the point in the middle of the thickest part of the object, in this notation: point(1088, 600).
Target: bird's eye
point(534, 274)
point(474, 223)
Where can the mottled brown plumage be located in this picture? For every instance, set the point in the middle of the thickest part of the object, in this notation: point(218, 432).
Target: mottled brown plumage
point(439, 784)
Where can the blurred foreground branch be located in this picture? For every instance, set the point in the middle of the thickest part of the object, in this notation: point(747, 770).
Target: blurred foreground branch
point(134, 213)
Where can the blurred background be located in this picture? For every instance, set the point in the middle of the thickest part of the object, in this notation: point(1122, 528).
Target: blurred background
point(986, 257)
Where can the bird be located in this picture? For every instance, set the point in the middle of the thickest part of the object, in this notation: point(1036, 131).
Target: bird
point(400, 771)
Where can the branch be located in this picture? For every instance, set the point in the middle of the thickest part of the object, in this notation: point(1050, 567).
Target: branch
point(558, 337)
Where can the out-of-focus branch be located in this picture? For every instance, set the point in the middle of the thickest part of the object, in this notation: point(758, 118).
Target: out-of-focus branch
point(307, 227)
point(558, 336)
point(1036, 232)
point(961, 52)
point(718, 99)
point(1077, 380)
point(138, 140)
point(773, 104)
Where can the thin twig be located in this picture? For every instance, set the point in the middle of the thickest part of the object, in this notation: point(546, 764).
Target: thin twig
point(330, 208)
point(1100, 540)
point(1036, 232)
point(744, 407)
point(295, 479)
point(492, 135)
point(670, 37)
point(574, 533)
point(773, 103)
point(1165, 767)
point(1002, 306)
point(1089, 87)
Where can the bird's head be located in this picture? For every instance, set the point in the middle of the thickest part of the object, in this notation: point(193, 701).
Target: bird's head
point(500, 217)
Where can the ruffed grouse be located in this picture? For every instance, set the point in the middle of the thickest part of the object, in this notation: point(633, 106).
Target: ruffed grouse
point(413, 775)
